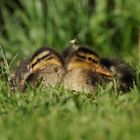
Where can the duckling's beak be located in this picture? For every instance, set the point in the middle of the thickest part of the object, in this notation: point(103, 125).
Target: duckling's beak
point(104, 71)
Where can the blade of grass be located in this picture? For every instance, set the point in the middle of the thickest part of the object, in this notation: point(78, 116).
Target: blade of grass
point(6, 65)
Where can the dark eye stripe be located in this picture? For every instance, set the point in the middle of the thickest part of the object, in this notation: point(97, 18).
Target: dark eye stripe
point(82, 57)
point(40, 59)
point(80, 60)
point(93, 60)
point(89, 58)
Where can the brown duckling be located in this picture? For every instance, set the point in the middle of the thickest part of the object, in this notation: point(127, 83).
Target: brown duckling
point(45, 65)
point(84, 71)
point(124, 74)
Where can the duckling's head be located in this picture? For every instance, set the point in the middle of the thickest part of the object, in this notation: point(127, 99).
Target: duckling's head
point(85, 58)
point(44, 57)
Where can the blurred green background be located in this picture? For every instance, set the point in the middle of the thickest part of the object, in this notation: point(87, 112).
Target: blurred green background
point(110, 26)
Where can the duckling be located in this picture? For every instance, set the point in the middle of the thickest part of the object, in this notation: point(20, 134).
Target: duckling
point(45, 65)
point(124, 73)
point(84, 71)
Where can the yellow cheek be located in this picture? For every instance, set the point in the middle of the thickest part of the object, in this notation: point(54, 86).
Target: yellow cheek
point(83, 65)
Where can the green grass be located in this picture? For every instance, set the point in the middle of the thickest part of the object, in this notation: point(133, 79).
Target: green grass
point(56, 114)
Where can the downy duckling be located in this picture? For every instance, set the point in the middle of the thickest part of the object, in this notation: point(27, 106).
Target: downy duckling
point(123, 73)
point(45, 65)
point(84, 71)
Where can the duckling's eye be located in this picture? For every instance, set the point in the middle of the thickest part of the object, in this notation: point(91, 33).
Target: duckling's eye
point(89, 58)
